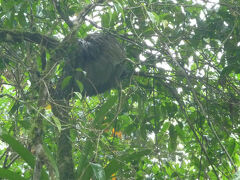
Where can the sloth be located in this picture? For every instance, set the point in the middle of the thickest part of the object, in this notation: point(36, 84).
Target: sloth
point(97, 62)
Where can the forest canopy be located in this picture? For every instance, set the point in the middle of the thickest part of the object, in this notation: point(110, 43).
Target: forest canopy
point(119, 89)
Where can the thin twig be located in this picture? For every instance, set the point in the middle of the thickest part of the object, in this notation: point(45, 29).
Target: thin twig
point(200, 105)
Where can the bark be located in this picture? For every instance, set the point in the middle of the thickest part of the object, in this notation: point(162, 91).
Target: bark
point(61, 109)
point(33, 37)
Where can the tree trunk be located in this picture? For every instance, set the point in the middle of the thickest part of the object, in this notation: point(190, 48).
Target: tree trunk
point(64, 154)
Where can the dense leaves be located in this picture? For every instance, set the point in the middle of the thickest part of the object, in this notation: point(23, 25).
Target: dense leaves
point(174, 116)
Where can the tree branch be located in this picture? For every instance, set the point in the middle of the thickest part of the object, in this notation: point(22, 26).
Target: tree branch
point(33, 37)
point(62, 14)
point(81, 16)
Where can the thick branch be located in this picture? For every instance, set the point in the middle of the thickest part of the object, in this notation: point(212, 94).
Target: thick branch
point(33, 37)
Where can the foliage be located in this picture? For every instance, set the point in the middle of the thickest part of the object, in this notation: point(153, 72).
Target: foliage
point(176, 116)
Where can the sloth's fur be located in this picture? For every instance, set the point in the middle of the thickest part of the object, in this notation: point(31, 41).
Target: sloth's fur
point(101, 59)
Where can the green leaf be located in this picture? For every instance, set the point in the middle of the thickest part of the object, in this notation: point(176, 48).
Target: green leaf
point(165, 127)
point(83, 162)
point(7, 174)
point(51, 160)
point(22, 19)
point(155, 169)
point(105, 20)
point(120, 10)
point(79, 95)
point(21, 150)
point(66, 81)
point(87, 172)
point(172, 109)
point(231, 146)
point(113, 167)
point(4, 78)
point(80, 85)
point(118, 163)
point(193, 67)
point(18, 147)
point(173, 138)
point(105, 108)
point(79, 69)
point(57, 123)
point(153, 17)
point(14, 108)
point(165, 23)
point(143, 131)
point(25, 124)
point(98, 171)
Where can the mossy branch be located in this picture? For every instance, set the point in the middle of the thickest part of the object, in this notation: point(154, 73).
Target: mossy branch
point(33, 37)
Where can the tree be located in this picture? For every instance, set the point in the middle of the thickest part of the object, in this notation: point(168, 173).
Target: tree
point(175, 115)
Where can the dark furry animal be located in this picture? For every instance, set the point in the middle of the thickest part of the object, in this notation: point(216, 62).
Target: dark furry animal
point(101, 59)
